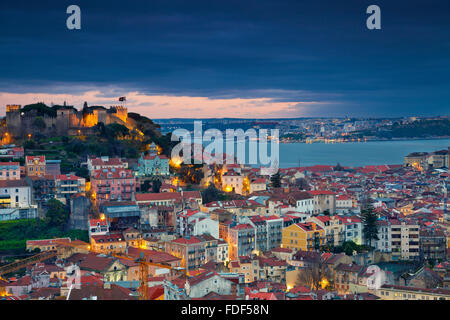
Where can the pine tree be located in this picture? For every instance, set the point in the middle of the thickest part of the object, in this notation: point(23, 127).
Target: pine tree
point(275, 180)
point(369, 220)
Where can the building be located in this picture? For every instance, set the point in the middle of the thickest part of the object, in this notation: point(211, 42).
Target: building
point(353, 228)
point(168, 198)
point(437, 159)
point(333, 226)
point(191, 251)
point(405, 240)
point(45, 244)
point(324, 201)
point(12, 152)
point(303, 236)
point(384, 242)
point(108, 243)
point(268, 232)
point(53, 167)
point(258, 184)
point(113, 184)
point(396, 292)
point(198, 286)
point(303, 201)
point(153, 163)
point(232, 181)
point(344, 203)
point(35, 165)
point(98, 227)
point(105, 163)
point(66, 185)
point(206, 226)
point(241, 239)
point(433, 245)
point(19, 192)
point(120, 209)
point(61, 120)
point(9, 170)
point(223, 253)
point(43, 189)
point(346, 275)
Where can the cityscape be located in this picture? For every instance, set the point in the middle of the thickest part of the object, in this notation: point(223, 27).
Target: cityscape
point(97, 190)
point(224, 158)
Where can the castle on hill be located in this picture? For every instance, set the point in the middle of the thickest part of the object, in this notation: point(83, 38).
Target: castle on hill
point(61, 120)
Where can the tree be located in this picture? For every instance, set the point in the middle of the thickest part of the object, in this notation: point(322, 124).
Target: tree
point(156, 186)
point(39, 123)
point(302, 184)
point(369, 220)
point(349, 247)
point(145, 186)
point(315, 274)
point(57, 215)
point(211, 194)
point(275, 180)
point(29, 144)
point(82, 172)
point(191, 174)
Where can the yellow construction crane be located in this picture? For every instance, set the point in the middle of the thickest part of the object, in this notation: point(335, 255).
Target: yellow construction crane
point(17, 265)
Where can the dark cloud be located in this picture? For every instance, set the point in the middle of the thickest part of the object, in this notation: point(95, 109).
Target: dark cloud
point(289, 51)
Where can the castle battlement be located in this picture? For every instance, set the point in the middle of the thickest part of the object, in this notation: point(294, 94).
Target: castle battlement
point(13, 107)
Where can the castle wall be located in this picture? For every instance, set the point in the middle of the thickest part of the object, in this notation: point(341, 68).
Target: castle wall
point(67, 121)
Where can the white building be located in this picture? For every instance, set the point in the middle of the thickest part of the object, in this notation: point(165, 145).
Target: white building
point(257, 185)
point(384, 236)
point(353, 229)
point(223, 254)
point(344, 203)
point(304, 202)
point(197, 286)
point(206, 225)
point(232, 181)
point(18, 191)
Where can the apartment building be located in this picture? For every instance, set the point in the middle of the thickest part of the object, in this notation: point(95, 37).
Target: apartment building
point(344, 203)
point(241, 239)
point(353, 228)
point(306, 236)
point(191, 251)
point(109, 243)
point(67, 185)
point(268, 232)
point(113, 184)
point(433, 245)
point(9, 170)
point(334, 229)
point(324, 200)
point(105, 163)
point(405, 240)
point(303, 201)
point(384, 242)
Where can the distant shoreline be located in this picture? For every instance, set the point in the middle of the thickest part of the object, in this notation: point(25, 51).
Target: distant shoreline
point(365, 141)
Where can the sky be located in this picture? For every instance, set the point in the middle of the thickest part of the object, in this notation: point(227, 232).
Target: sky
point(238, 59)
